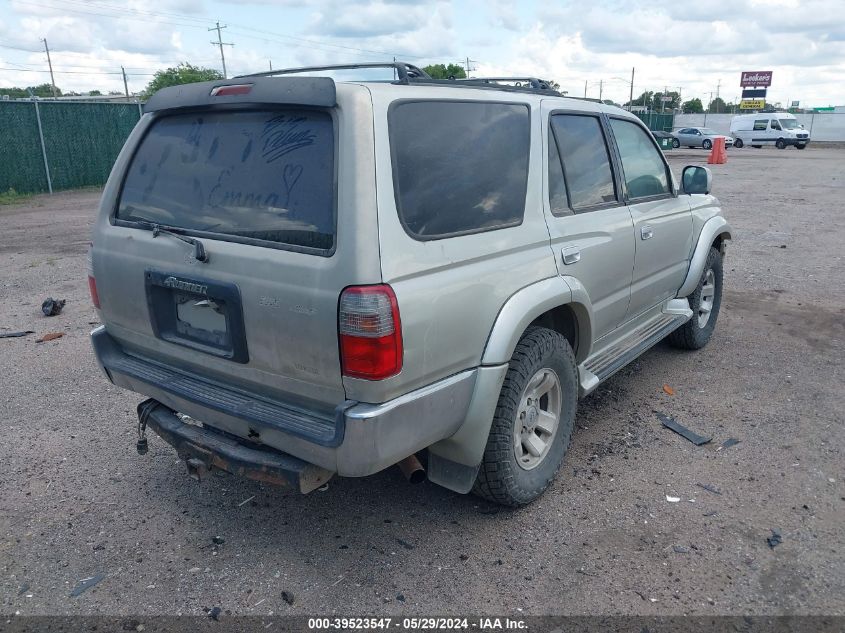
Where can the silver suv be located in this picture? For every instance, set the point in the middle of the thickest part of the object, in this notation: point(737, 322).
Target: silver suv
point(308, 277)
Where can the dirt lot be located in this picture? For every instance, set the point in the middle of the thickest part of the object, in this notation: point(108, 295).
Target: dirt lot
point(76, 500)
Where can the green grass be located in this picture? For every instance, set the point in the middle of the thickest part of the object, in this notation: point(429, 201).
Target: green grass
point(13, 197)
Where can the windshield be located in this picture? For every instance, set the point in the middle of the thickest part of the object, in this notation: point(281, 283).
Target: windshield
point(262, 175)
point(707, 131)
point(788, 124)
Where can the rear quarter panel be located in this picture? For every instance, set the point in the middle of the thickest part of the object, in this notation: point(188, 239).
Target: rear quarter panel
point(451, 290)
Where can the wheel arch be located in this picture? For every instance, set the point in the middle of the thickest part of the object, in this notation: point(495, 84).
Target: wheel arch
point(715, 233)
point(558, 303)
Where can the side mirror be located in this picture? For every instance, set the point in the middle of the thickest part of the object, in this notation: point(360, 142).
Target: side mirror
point(696, 179)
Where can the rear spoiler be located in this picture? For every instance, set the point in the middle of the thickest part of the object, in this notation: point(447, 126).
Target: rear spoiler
point(306, 91)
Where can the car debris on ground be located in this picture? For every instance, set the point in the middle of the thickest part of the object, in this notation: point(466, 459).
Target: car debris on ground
point(52, 336)
point(670, 423)
point(85, 584)
point(52, 307)
point(16, 334)
point(775, 539)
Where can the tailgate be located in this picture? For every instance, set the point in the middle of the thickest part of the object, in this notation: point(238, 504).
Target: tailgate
point(260, 185)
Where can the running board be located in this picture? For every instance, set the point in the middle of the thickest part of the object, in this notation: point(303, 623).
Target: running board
point(602, 365)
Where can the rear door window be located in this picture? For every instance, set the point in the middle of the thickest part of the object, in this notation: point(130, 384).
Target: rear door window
point(458, 166)
point(586, 162)
point(251, 176)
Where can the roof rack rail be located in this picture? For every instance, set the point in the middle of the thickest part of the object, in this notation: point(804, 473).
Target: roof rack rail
point(404, 72)
point(533, 82)
point(535, 86)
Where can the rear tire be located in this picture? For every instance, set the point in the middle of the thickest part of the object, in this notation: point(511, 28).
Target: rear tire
point(780, 144)
point(676, 143)
point(705, 302)
point(738, 143)
point(524, 452)
point(707, 143)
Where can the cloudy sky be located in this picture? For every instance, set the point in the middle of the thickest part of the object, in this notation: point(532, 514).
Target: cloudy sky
point(698, 48)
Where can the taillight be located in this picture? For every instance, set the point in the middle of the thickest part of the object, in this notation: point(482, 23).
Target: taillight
point(370, 332)
point(92, 283)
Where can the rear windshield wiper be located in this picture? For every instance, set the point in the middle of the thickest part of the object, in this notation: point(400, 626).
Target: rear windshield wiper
point(199, 250)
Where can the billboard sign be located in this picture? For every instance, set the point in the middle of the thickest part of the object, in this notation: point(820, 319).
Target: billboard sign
point(754, 93)
point(752, 104)
point(756, 79)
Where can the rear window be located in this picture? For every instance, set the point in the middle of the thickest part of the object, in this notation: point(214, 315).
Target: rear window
point(459, 167)
point(249, 175)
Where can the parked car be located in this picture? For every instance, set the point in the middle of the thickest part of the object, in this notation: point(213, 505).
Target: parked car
point(309, 277)
point(780, 129)
point(699, 137)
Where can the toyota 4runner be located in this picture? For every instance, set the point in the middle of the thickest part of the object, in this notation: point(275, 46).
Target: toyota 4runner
point(308, 277)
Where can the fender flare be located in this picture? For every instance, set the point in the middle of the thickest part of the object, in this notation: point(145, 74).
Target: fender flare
point(525, 305)
point(713, 228)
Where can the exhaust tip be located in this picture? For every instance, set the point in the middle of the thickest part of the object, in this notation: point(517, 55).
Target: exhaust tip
point(412, 469)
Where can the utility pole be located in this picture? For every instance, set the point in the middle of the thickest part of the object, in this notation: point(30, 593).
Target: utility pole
point(271, 63)
point(50, 64)
point(585, 89)
point(631, 94)
point(125, 86)
point(663, 99)
point(718, 86)
point(601, 88)
point(221, 44)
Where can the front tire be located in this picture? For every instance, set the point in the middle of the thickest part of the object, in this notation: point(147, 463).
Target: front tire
point(738, 143)
point(780, 144)
point(533, 421)
point(705, 302)
point(707, 144)
point(800, 146)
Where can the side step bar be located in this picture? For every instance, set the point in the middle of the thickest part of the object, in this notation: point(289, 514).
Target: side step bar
point(602, 365)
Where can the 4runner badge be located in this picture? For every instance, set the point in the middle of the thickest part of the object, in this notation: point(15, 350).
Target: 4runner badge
point(187, 286)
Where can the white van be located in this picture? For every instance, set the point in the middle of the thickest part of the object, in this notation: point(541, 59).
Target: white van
point(768, 128)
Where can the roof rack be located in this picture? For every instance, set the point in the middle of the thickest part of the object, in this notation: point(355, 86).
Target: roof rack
point(408, 73)
point(404, 72)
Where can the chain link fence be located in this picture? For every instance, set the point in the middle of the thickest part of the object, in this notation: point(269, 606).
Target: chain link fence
point(656, 121)
point(53, 145)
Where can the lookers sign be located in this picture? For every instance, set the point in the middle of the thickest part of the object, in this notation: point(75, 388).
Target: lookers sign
point(756, 79)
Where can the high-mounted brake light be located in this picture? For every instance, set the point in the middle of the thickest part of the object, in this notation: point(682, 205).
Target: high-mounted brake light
point(235, 89)
point(370, 332)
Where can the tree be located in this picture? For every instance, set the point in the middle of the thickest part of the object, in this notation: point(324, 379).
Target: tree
point(95, 93)
point(184, 73)
point(643, 100)
point(658, 105)
point(693, 106)
point(41, 90)
point(442, 71)
point(718, 105)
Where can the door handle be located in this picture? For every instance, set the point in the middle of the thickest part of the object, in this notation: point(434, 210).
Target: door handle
point(571, 255)
point(646, 232)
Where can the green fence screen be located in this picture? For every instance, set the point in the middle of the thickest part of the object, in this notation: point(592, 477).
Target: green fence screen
point(81, 142)
point(657, 121)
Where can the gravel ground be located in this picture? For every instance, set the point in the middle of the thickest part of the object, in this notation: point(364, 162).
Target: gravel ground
point(76, 500)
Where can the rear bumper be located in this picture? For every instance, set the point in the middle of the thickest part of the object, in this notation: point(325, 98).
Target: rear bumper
point(358, 439)
point(204, 449)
